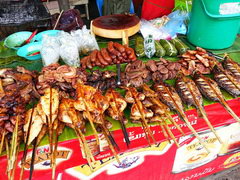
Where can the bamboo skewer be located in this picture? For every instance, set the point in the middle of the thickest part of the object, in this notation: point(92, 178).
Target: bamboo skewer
point(146, 134)
point(85, 149)
point(139, 105)
point(125, 133)
point(155, 101)
point(54, 154)
point(111, 146)
point(165, 134)
point(171, 134)
point(33, 158)
point(13, 150)
point(2, 141)
point(26, 145)
point(8, 158)
point(183, 116)
point(203, 113)
point(91, 123)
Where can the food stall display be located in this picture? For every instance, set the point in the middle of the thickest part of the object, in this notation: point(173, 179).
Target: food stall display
point(67, 120)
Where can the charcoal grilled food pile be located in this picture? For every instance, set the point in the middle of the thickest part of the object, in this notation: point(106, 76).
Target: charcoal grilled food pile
point(163, 69)
point(102, 80)
point(115, 53)
point(16, 90)
point(136, 74)
point(198, 59)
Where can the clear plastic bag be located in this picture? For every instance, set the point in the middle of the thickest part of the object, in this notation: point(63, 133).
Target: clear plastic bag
point(69, 53)
point(176, 23)
point(157, 33)
point(85, 40)
point(50, 50)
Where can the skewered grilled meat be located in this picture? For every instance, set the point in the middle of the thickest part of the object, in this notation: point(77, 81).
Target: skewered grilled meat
point(117, 104)
point(139, 111)
point(169, 96)
point(185, 87)
point(190, 95)
point(232, 67)
point(210, 90)
point(203, 84)
point(226, 81)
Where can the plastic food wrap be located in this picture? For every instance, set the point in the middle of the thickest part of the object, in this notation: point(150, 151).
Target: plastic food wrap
point(50, 50)
point(86, 42)
point(69, 54)
point(149, 46)
point(147, 28)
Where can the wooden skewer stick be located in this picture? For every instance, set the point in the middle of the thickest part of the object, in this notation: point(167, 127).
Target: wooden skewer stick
point(155, 101)
point(8, 158)
point(203, 112)
point(33, 158)
point(125, 133)
point(54, 154)
point(139, 105)
point(13, 149)
point(113, 142)
point(2, 141)
point(171, 134)
point(146, 134)
point(15, 163)
point(86, 149)
point(55, 26)
point(165, 134)
point(111, 146)
point(26, 145)
point(90, 119)
point(184, 117)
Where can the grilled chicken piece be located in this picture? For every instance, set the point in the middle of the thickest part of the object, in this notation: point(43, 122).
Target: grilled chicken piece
point(50, 103)
point(69, 115)
point(117, 104)
point(38, 120)
point(226, 81)
point(202, 84)
point(135, 112)
point(84, 98)
point(232, 67)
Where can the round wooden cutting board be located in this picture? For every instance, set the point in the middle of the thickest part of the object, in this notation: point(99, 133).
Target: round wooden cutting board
point(116, 26)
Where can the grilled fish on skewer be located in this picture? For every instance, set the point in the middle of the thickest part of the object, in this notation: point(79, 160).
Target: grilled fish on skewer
point(232, 67)
point(191, 96)
point(117, 104)
point(226, 81)
point(161, 108)
point(210, 90)
point(138, 110)
point(169, 96)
